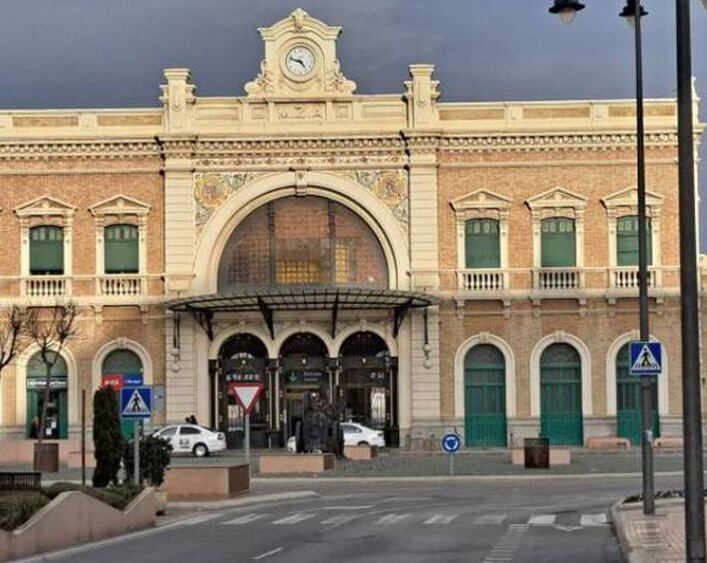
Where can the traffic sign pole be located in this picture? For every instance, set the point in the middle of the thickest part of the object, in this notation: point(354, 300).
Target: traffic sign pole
point(136, 451)
point(247, 441)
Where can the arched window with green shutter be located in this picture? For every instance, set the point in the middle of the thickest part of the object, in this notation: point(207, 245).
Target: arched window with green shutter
point(482, 243)
point(559, 248)
point(485, 396)
point(627, 241)
point(57, 420)
point(123, 362)
point(561, 395)
point(121, 250)
point(46, 251)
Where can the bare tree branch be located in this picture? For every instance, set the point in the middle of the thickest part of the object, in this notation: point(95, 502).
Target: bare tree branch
point(12, 327)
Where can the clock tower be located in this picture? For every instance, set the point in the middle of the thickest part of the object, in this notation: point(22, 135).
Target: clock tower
point(300, 61)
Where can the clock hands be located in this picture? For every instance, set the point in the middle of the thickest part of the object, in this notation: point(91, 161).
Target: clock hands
point(300, 61)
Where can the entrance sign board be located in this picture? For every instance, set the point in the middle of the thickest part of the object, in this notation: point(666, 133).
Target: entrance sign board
point(133, 380)
point(114, 381)
point(646, 358)
point(136, 402)
point(247, 394)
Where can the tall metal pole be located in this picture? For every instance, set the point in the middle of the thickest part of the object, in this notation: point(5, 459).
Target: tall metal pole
point(691, 391)
point(247, 442)
point(136, 450)
point(83, 436)
point(646, 382)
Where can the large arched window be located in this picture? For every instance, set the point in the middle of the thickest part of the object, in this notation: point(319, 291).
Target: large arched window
point(485, 396)
point(561, 395)
point(302, 240)
point(56, 425)
point(629, 420)
point(123, 363)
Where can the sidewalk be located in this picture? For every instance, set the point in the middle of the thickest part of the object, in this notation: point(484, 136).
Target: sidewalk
point(659, 538)
point(397, 463)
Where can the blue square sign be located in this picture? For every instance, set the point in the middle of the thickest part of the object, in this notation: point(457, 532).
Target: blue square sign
point(136, 402)
point(646, 358)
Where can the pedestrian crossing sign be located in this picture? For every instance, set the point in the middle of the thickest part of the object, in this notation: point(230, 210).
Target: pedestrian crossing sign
point(646, 358)
point(136, 402)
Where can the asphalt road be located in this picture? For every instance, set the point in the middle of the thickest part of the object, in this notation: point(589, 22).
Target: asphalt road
point(548, 520)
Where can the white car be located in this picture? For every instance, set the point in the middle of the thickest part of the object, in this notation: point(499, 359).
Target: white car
point(354, 435)
point(193, 439)
point(359, 435)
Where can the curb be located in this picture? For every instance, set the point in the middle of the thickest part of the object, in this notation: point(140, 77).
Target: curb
point(320, 479)
point(619, 531)
point(241, 501)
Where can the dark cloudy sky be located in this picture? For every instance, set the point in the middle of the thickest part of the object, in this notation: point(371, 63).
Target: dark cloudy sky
point(102, 53)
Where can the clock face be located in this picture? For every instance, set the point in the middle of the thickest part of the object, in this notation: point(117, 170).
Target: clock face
point(300, 61)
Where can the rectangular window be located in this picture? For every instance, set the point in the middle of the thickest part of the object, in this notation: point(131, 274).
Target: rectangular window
point(482, 245)
point(627, 241)
point(558, 245)
point(121, 249)
point(46, 251)
point(299, 271)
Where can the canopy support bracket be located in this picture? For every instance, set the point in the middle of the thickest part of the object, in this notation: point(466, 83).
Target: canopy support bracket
point(267, 316)
point(334, 316)
point(204, 319)
point(400, 313)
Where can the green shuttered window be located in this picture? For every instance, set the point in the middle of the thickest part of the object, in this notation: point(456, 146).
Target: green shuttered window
point(482, 244)
point(46, 251)
point(559, 249)
point(121, 249)
point(627, 241)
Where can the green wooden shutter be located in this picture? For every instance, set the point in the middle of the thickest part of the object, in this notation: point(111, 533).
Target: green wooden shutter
point(561, 395)
point(559, 249)
point(123, 362)
point(485, 397)
point(627, 241)
point(121, 249)
point(482, 244)
point(629, 419)
point(46, 251)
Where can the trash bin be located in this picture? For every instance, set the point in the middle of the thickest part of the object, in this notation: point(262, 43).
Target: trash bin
point(537, 453)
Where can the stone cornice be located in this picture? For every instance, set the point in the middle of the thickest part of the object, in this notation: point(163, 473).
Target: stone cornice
point(34, 150)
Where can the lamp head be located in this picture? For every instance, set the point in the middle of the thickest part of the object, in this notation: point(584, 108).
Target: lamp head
point(567, 9)
point(629, 12)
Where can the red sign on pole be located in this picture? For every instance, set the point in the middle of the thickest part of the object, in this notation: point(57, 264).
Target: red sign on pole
point(247, 394)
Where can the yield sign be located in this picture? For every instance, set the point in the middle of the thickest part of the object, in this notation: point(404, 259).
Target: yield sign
point(247, 394)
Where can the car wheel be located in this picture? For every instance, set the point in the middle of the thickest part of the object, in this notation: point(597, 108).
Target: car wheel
point(363, 443)
point(200, 450)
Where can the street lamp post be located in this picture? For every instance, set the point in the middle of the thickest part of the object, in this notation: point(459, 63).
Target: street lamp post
point(691, 389)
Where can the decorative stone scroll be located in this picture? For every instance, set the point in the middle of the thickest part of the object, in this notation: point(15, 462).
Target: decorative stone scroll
point(390, 186)
point(211, 190)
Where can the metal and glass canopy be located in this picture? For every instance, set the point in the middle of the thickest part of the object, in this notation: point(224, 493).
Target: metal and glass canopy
point(268, 300)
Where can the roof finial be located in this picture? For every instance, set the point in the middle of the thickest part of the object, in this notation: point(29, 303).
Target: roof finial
point(298, 17)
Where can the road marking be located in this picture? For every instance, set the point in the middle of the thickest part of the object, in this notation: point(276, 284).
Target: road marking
point(506, 547)
point(440, 519)
point(197, 520)
point(362, 507)
point(244, 519)
point(268, 553)
point(340, 519)
point(542, 520)
point(294, 519)
point(593, 519)
point(489, 519)
point(390, 519)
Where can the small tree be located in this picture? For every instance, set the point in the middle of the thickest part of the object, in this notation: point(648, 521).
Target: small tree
point(107, 437)
point(12, 328)
point(155, 456)
point(50, 329)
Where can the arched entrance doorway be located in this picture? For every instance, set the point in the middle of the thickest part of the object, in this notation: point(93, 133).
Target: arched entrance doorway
point(367, 383)
point(123, 363)
point(485, 397)
point(629, 422)
point(561, 395)
point(243, 358)
point(304, 368)
point(56, 424)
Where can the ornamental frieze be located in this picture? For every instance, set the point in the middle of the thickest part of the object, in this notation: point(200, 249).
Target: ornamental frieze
point(389, 186)
point(211, 190)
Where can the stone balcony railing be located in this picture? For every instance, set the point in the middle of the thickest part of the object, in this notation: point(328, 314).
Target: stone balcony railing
point(627, 277)
point(121, 285)
point(482, 279)
point(558, 279)
point(46, 286)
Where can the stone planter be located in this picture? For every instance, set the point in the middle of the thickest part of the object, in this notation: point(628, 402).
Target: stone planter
point(46, 458)
point(161, 502)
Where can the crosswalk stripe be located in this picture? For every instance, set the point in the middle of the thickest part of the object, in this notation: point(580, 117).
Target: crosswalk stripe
point(245, 519)
point(542, 520)
point(294, 519)
point(593, 519)
point(489, 519)
point(440, 519)
point(389, 519)
point(340, 519)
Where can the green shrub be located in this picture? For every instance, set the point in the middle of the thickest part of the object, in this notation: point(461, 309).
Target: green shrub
point(116, 496)
point(18, 507)
point(107, 437)
point(155, 456)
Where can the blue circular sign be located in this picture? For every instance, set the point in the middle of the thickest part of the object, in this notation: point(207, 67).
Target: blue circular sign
point(451, 443)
